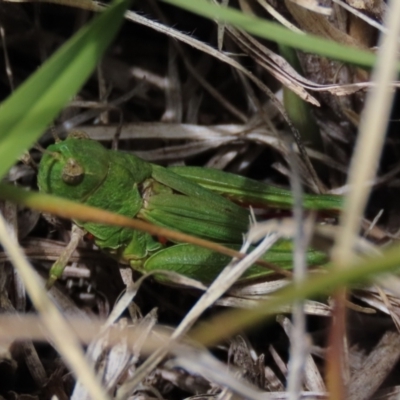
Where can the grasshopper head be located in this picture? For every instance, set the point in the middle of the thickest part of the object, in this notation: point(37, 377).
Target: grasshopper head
point(73, 168)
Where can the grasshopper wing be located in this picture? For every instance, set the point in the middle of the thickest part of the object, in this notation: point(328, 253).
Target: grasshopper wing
point(248, 191)
point(190, 208)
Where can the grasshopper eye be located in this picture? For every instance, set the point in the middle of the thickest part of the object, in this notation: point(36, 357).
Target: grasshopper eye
point(73, 172)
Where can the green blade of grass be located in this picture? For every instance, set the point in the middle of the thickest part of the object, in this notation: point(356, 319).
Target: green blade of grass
point(234, 321)
point(30, 109)
point(273, 31)
point(23, 117)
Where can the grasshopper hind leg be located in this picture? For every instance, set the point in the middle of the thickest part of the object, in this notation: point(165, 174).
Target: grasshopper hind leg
point(204, 265)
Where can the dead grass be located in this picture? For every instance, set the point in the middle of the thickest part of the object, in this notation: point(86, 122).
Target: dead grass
point(179, 89)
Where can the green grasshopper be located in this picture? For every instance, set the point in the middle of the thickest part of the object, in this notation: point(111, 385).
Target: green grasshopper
point(198, 201)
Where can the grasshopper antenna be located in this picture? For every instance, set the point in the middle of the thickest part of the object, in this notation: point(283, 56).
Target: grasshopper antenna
point(42, 150)
point(27, 159)
point(53, 132)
